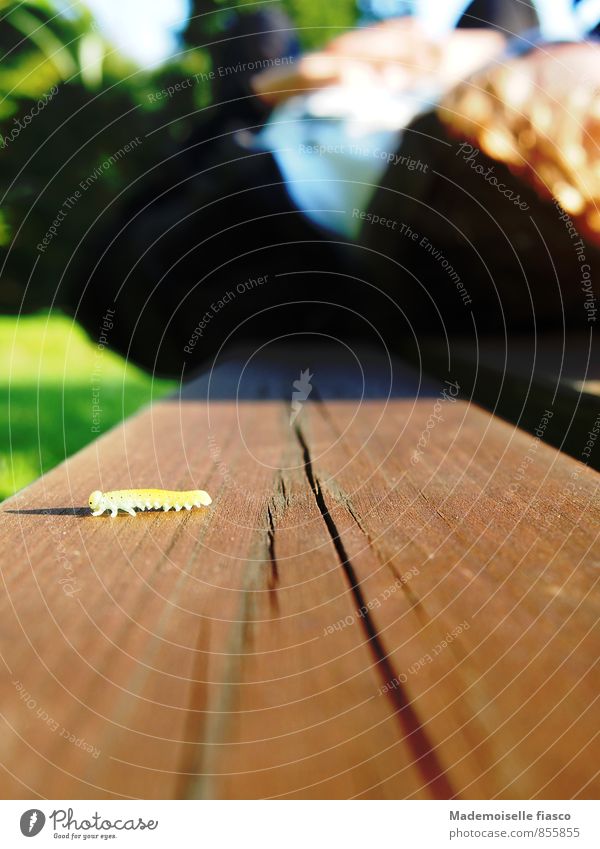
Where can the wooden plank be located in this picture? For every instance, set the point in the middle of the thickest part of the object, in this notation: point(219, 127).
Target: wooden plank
point(109, 655)
point(140, 651)
point(259, 649)
point(567, 361)
point(303, 722)
point(505, 563)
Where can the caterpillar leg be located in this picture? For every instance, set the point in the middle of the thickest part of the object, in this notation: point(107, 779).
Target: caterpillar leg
point(98, 512)
point(130, 510)
point(114, 511)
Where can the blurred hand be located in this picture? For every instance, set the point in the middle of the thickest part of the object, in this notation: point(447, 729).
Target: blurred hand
point(396, 54)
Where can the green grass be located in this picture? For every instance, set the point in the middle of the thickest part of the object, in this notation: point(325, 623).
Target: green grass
point(48, 367)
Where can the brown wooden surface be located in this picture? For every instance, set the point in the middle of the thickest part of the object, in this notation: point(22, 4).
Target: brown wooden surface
point(220, 653)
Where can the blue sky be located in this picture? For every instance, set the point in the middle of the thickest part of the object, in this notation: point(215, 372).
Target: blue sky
point(144, 29)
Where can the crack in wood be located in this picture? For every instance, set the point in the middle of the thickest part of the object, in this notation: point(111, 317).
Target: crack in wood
point(344, 500)
point(277, 504)
point(426, 759)
point(274, 578)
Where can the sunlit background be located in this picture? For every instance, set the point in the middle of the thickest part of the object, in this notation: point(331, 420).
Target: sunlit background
point(126, 49)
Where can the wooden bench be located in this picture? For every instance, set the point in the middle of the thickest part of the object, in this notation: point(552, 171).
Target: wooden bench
point(520, 377)
point(392, 596)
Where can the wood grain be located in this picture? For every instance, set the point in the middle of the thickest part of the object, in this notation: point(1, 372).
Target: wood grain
point(342, 622)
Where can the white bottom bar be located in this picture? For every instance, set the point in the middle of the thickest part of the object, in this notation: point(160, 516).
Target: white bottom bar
point(301, 824)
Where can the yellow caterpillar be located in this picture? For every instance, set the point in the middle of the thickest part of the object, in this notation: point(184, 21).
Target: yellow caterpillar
point(146, 499)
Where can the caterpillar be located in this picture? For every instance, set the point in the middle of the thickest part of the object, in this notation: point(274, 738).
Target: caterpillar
point(146, 499)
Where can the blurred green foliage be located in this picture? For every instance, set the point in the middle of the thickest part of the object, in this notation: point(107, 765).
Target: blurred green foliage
point(93, 102)
point(68, 102)
point(315, 21)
